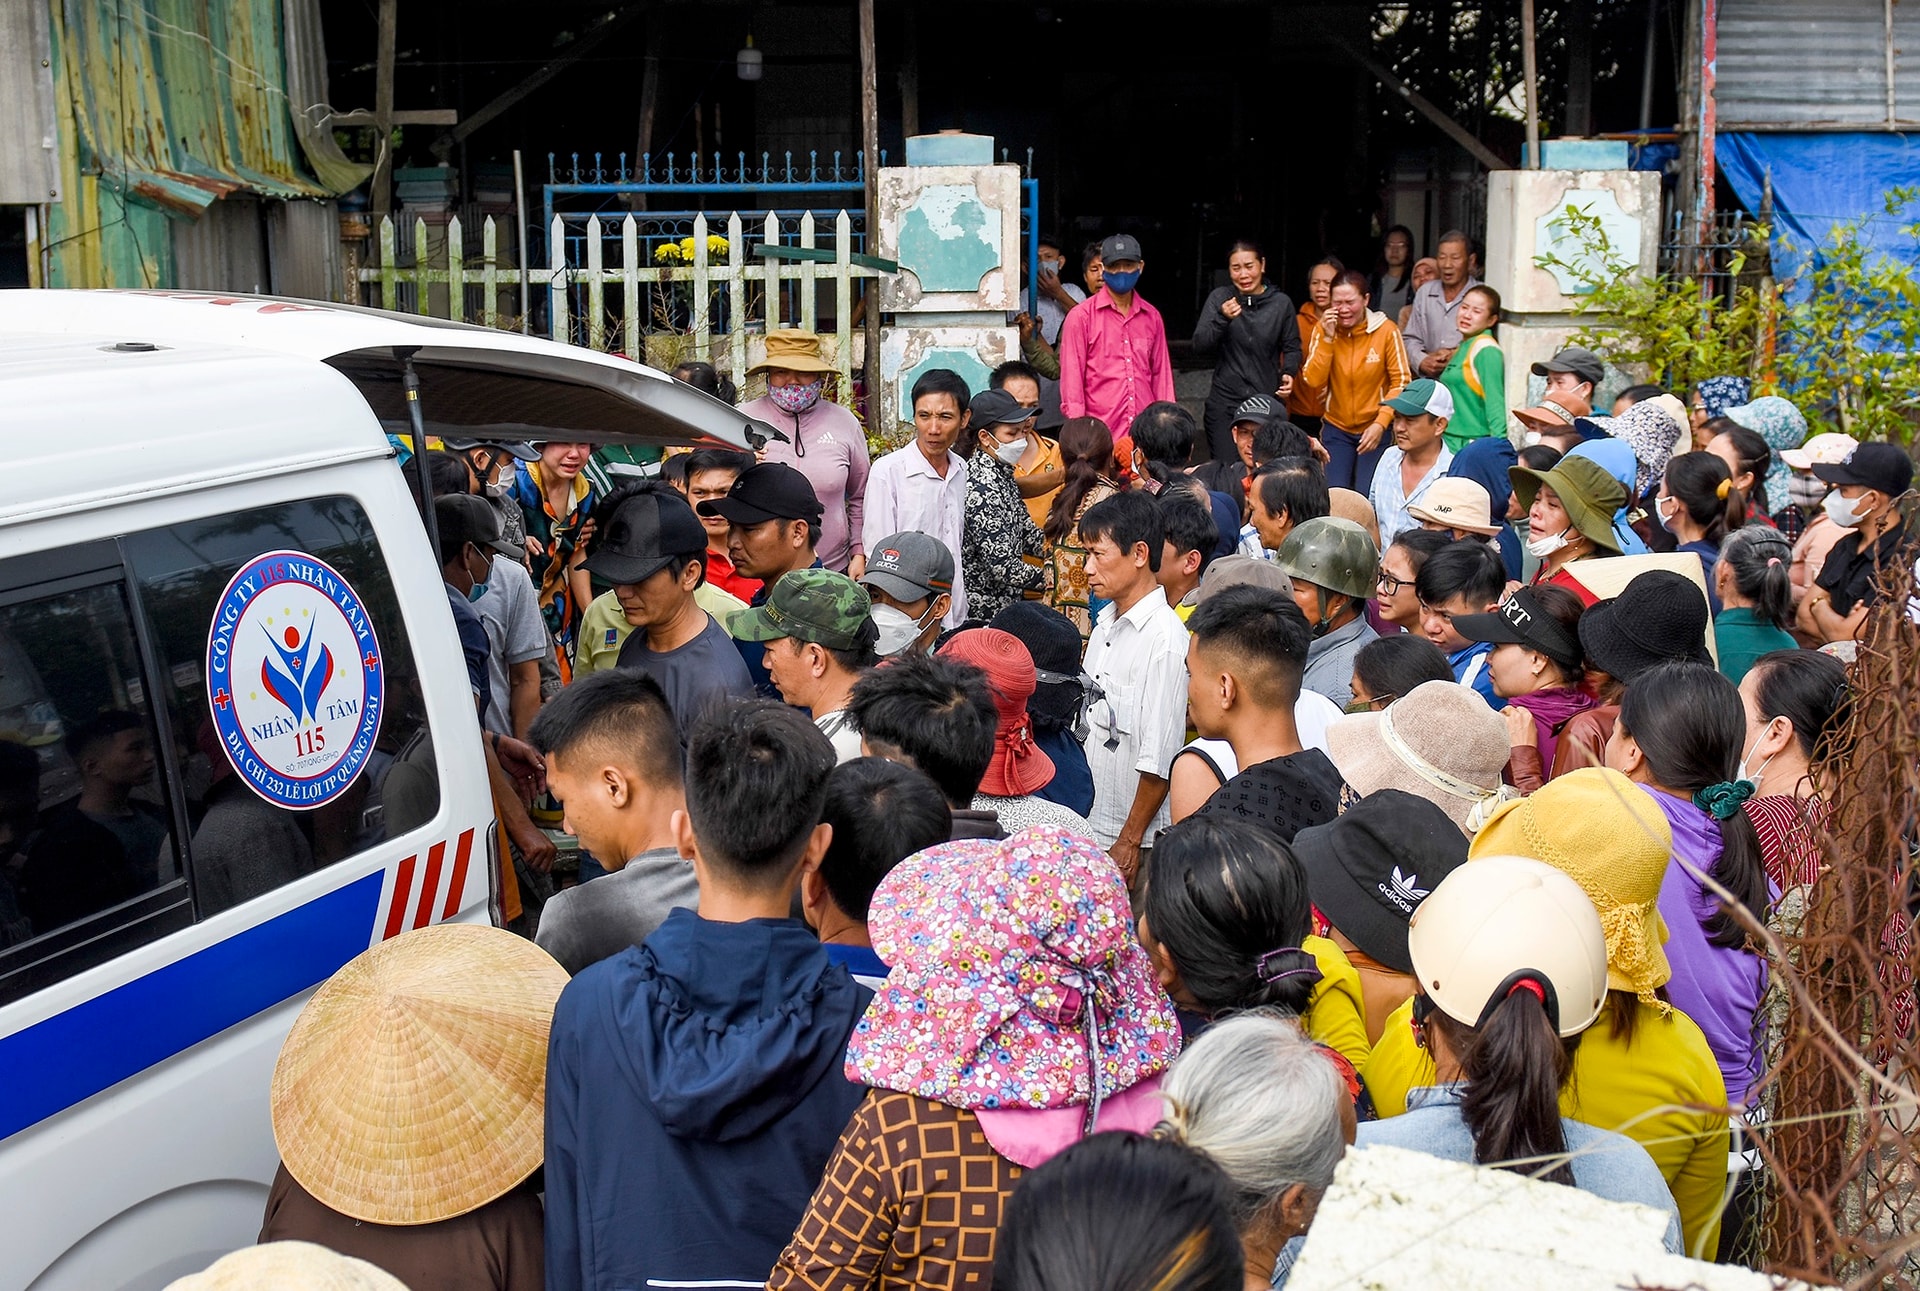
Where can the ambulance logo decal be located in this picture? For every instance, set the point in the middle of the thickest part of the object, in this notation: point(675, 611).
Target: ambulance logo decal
point(295, 681)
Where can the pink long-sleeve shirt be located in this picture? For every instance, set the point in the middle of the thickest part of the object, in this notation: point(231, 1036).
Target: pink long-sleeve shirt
point(1113, 364)
point(832, 454)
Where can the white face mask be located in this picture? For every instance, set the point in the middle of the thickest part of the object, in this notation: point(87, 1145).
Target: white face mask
point(1010, 453)
point(898, 629)
point(1541, 548)
point(1847, 513)
point(1759, 772)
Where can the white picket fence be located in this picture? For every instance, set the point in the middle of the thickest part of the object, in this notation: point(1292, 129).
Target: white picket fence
point(703, 278)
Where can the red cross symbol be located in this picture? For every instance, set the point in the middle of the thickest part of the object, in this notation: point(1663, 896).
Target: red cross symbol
point(222, 701)
point(371, 661)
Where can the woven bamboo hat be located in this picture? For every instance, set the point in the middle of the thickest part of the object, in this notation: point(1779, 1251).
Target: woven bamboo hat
point(288, 1266)
point(413, 1084)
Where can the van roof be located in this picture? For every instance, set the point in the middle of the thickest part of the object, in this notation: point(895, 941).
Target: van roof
point(91, 421)
point(475, 382)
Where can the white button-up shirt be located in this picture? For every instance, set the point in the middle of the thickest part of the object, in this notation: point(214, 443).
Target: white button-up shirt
point(906, 495)
point(1389, 497)
point(1139, 661)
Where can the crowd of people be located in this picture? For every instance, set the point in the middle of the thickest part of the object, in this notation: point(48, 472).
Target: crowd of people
point(1036, 861)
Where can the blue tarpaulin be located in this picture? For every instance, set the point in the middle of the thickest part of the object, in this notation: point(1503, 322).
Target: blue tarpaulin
point(1820, 181)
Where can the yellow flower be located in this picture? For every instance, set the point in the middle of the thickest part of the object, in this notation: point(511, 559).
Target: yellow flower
point(668, 253)
point(716, 247)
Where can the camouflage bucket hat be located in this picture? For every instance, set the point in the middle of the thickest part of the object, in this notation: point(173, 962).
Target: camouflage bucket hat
point(815, 605)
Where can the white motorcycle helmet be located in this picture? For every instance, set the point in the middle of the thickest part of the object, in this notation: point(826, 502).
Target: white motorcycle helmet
point(1504, 923)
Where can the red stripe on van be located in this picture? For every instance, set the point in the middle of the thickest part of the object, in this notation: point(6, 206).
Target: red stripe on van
point(402, 889)
point(457, 887)
point(430, 885)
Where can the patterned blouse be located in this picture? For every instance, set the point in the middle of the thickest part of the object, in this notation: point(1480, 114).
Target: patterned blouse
point(1067, 589)
point(999, 538)
point(911, 1201)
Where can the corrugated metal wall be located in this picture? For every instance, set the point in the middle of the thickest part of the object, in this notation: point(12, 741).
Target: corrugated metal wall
point(27, 169)
point(1817, 65)
point(165, 107)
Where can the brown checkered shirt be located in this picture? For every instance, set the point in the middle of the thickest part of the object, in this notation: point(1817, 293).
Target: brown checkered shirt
point(911, 1199)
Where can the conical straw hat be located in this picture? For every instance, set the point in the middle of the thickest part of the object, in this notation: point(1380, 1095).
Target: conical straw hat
point(289, 1266)
point(412, 1086)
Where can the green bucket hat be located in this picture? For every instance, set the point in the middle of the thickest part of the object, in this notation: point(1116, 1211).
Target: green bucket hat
point(1584, 488)
point(815, 605)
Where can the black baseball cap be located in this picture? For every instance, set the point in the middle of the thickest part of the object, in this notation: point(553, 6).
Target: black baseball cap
point(1255, 407)
point(646, 533)
point(1521, 621)
point(1121, 246)
point(1577, 359)
point(1371, 867)
point(463, 518)
point(766, 491)
point(514, 448)
point(1884, 468)
point(996, 408)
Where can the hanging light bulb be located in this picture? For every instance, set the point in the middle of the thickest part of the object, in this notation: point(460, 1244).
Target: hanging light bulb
point(748, 64)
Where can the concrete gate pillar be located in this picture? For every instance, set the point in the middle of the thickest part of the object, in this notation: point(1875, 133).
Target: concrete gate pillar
point(951, 218)
point(1526, 217)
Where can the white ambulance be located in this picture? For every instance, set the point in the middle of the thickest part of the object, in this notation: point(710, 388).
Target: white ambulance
point(237, 743)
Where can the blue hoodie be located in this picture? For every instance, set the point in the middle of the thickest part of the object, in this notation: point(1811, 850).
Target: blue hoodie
point(694, 1094)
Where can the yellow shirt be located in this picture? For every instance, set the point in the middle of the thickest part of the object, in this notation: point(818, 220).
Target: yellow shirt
point(1048, 463)
point(1337, 1011)
point(604, 628)
point(1667, 1067)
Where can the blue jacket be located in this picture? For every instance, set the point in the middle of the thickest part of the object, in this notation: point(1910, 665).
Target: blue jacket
point(1072, 783)
point(694, 1094)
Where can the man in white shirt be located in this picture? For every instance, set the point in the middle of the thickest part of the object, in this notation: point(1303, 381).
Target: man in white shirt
point(1418, 457)
point(1055, 297)
point(923, 486)
point(1137, 656)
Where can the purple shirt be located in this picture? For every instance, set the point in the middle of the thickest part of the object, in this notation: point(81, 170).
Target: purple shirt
point(1718, 987)
point(830, 449)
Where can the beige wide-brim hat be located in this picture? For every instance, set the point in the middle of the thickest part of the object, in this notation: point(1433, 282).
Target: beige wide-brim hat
point(288, 1266)
point(1440, 741)
point(791, 349)
point(1457, 503)
point(412, 1087)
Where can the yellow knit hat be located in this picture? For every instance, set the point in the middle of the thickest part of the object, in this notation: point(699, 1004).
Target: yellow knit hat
point(1610, 837)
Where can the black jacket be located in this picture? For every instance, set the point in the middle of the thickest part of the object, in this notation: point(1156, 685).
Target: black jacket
point(1255, 349)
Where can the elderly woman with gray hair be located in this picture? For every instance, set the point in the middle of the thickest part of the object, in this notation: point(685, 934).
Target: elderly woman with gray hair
point(1272, 1109)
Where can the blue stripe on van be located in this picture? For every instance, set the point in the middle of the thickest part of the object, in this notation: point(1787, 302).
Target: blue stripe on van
point(72, 1056)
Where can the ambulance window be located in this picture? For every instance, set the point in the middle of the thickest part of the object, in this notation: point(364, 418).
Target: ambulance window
point(89, 837)
point(312, 744)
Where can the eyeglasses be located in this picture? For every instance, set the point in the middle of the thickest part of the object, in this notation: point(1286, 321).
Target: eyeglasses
point(1388, 585)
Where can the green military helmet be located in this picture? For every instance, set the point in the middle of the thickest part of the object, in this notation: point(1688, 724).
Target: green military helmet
point(815, 605)
point(1332, 553)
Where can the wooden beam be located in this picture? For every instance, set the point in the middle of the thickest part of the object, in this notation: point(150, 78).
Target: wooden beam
point(649, 108)
point(399, 117)
point(909, 72)
point(1419, 103)
point(1529, 64)
point(383, 108)
point(571, 53)
point(870, 144)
